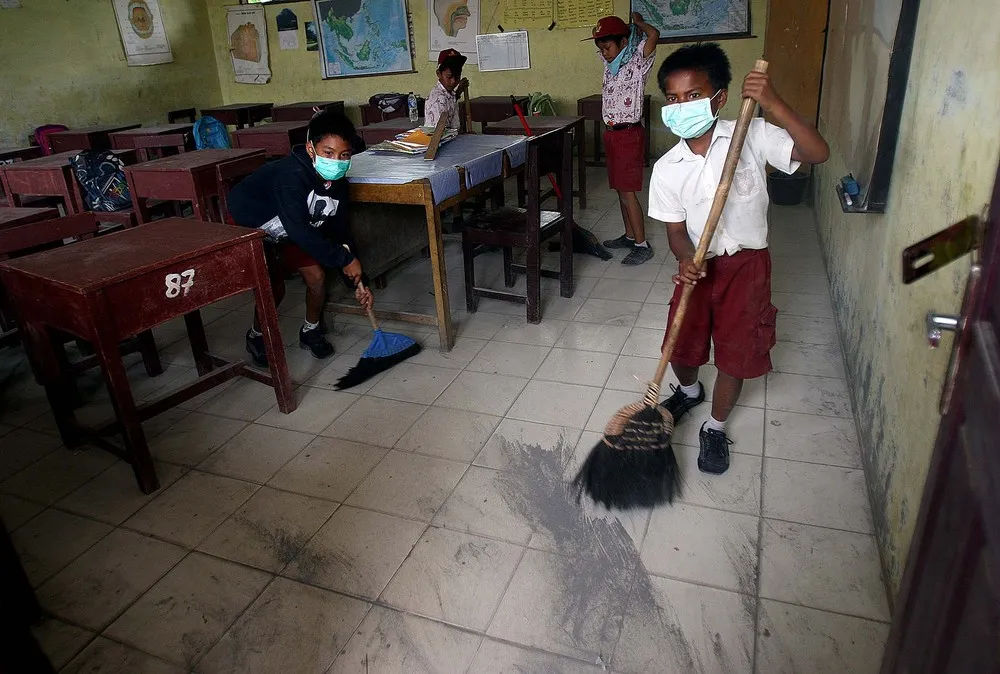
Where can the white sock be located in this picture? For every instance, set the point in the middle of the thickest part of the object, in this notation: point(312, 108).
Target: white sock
point(644, 244)
point(692, 391)
point(307, 326)
point(714, 424)
point(255, 333)
point(629, 237)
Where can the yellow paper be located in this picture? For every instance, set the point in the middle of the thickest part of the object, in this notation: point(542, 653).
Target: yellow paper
point(527, 14)
point(581, 13)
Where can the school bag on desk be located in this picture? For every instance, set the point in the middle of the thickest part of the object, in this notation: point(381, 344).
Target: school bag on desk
point(210, 133)
point(42, 136)
point(101, 175)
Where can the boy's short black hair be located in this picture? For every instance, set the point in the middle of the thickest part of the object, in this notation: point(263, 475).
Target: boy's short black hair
point(706, 57)
point(330, 123)
point(617, 39)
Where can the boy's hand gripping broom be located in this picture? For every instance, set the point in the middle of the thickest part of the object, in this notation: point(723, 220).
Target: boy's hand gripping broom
point(633, 465)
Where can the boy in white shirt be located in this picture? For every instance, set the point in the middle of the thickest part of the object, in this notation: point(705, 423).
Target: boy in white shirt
point(443, 99)
point(731, 303)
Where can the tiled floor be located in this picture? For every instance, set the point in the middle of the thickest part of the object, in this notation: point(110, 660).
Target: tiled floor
point(423, 522)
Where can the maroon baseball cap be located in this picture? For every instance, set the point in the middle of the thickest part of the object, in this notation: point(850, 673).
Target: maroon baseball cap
point(607, 27)
point(451, 55)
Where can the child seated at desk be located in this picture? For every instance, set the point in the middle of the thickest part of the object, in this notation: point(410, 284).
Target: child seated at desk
point(300, 202)
point(443, 99)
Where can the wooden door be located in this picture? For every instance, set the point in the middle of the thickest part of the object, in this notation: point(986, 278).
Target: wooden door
point(947, 616)
point(794, 45)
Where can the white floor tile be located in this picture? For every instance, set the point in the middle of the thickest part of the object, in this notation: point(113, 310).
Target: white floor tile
point(808, 493)
point(809, 437)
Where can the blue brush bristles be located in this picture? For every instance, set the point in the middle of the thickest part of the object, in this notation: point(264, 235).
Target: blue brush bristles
point(387, 344)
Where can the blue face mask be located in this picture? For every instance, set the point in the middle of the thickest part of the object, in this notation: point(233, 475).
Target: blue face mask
point(331, 169)
point(616, 63)
point(625, 55)
point(691, 119)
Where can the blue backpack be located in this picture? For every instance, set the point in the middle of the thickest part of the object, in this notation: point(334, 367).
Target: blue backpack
point(101, 174)
point(210, 133)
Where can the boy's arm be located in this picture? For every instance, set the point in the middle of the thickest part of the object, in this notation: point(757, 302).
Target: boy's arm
point(652, 35)
point(684, 250)
point(809, 145)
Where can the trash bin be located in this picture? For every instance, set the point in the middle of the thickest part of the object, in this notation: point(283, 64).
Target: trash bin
point(786, 190)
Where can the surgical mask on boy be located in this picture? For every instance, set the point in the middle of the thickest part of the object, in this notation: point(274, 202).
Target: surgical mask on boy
point(330, 169)
point(690, 119)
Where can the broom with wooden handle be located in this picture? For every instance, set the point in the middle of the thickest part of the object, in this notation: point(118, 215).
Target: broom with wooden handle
point(633, 465)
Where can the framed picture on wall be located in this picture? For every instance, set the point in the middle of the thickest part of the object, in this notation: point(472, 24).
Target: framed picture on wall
point(359, 37)
point(696, 20)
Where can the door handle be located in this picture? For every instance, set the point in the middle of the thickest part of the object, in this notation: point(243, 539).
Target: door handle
point(936, 324)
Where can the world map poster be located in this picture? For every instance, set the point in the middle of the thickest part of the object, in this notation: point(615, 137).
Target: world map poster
point(363, 37)
point(680, 20)
point(453, 24)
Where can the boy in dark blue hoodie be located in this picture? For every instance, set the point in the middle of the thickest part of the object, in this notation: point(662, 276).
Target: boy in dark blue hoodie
point(300, 202)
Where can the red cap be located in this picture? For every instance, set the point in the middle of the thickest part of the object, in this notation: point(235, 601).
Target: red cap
point(451, 54)
point(608, 26)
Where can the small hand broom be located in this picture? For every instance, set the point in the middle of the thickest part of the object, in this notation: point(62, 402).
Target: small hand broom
point(633, 465)
point(385, 350)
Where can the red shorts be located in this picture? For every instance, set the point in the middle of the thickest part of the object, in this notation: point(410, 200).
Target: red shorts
point(626, 157)
point(283, 259)
point(731, 307)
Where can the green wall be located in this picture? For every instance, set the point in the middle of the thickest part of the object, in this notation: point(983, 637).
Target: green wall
point(949, 142)
point(62, 62)
point(561, 65)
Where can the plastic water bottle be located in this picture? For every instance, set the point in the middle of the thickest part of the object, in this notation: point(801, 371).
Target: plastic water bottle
point(411, 104)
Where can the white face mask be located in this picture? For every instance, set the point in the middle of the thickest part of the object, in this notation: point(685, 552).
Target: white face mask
point(691, 119)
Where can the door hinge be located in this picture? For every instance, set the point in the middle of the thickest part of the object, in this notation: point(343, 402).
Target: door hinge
point(937, 250)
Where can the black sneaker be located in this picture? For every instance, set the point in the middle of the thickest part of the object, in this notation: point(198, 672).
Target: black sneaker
point(621, 242)
point(679, 403)
point(638, 255)
point(714, 454)
point(315, 342)
point(255, 347)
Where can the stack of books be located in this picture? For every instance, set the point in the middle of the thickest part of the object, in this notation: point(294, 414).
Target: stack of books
point(414, 141)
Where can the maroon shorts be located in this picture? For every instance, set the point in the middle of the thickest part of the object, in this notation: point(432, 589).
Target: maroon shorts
point(626, 157)
point(283, 259)
point(731, 307)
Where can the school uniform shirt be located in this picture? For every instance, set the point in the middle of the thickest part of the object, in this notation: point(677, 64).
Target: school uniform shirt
point(622, 94)
point(683, 185)
point(289, 201)
point(441, 103)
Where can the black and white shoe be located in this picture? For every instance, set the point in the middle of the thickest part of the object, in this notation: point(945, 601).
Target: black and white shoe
point(621, 242)
point(679, 403)
point(255, 347)
point(638, 255)
point(314, 341)
point(714, 455)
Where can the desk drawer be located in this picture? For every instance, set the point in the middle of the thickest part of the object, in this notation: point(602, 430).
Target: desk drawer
point(170, 291)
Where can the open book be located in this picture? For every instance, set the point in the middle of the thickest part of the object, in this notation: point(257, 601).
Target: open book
point(414, 141)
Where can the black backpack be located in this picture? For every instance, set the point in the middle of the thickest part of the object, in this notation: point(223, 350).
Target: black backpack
point(389, 102)
point(101, 174)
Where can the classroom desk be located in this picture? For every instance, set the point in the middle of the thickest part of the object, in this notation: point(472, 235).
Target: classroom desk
point(12, 217)
point(303, 110)
point(590, 107)
point(276, 139)
point(110, 288)
point(125, 140)
point(49, 176)
point(14, 154)
point(87, 138)
point(189, 176)
point(464, 168)
point(488, 109)
point(240, 114)
point(387, 130)
point(542, 124)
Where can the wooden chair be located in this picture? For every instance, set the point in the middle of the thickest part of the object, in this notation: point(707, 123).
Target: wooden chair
point(45, 234)
point(33, 152)
point(185, 114)
point(527, 228)
point(228, 173)
point(154, 147)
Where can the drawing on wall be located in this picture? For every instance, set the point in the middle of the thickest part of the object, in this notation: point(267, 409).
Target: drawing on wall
point(143, 35)
point(678, 20)
point(363, 37)
point(452, 24)
point(312, 39)
point(247, 31)
point(288, 29)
